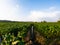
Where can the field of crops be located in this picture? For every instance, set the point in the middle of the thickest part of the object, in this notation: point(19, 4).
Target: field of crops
point(46, 33)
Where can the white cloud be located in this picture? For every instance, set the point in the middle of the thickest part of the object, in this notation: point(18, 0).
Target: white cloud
point(50, 15)
point(9, 10)
point(52, 8)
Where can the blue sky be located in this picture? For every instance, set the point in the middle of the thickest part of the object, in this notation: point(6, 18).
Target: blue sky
point(30, 10)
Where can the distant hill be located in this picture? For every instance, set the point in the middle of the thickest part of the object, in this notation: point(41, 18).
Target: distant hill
point(6, 21)
point(11, 21)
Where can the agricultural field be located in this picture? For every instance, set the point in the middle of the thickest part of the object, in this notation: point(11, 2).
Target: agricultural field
point(17, 33)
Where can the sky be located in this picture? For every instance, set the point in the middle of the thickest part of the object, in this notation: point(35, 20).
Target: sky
point(30, 10)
